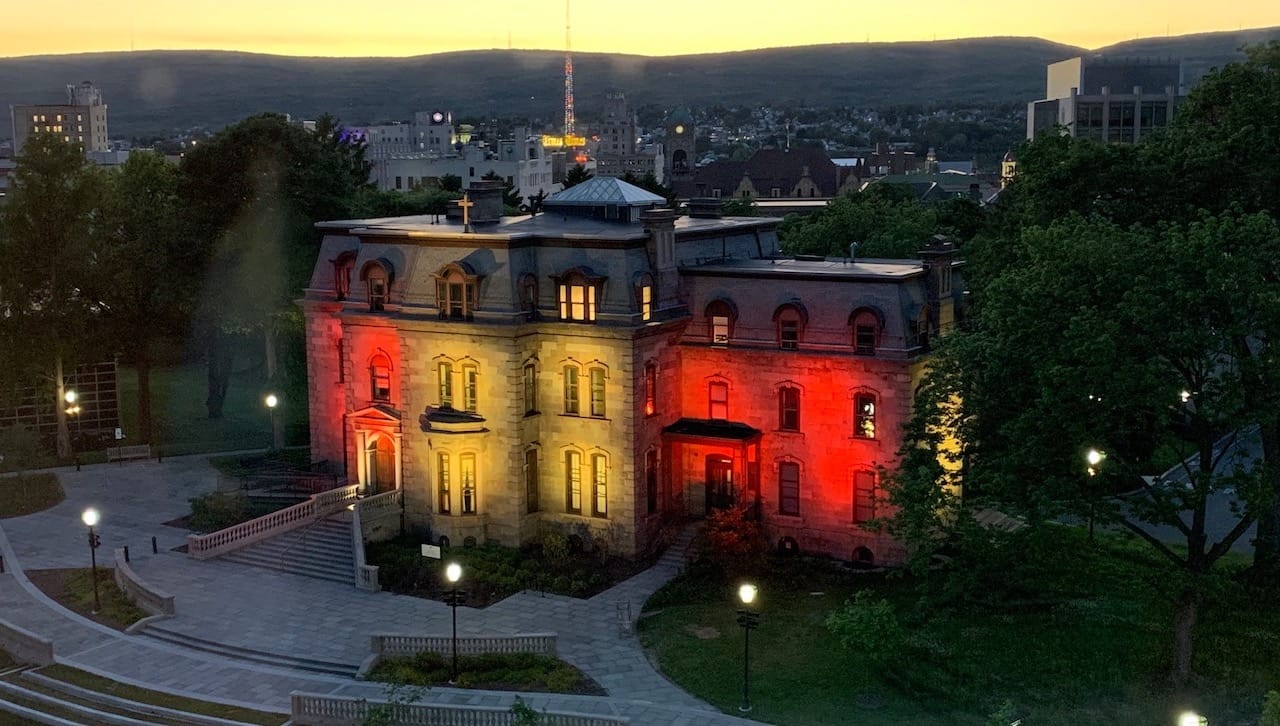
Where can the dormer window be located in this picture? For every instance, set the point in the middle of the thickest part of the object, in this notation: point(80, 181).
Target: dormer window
point(577, 293)
point(721, 316)
point(866, 326)
point(645, 296)
point(377, 276)
point(456, 291)
point(790, 319)
point(529, 296)
point(343, 266)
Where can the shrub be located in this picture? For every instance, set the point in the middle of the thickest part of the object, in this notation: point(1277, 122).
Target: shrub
point(1270, 709)
point(869, 626)
point(735, 543)
point(555, 546)
point(212, 512)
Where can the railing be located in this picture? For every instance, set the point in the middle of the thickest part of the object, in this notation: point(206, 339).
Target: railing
point(143, 595)
point(372, 508)
point(309, 483)
point(393, 645)
point(24, 645)
point(313, 709)
point(204, 546)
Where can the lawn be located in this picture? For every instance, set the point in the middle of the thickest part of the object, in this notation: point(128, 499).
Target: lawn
point(28, 494)
point(181, 421)
point(1095, 655)
point(497, 672)
point(492, 572)
point(73, 589)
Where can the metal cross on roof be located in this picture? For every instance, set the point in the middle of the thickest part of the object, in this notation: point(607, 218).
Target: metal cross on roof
point(466, 205)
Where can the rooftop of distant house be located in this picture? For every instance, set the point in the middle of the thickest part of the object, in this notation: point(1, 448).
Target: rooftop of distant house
point(539, 226)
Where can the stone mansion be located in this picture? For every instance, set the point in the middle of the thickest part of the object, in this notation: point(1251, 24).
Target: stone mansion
point(607, 365)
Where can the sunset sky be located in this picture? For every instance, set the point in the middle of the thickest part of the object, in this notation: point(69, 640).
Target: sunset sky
point(651, 27)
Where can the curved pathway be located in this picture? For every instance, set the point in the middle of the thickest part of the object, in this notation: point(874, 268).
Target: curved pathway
point(247, 607)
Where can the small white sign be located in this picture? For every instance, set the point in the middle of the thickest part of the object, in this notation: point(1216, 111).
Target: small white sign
point(119, 434)
point(431, 551)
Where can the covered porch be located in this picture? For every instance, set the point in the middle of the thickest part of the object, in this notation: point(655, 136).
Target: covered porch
point(713, 464)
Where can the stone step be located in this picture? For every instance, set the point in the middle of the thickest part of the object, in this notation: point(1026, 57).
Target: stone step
point(257, 656)
point(334, 571)
point(303, 546)
point(85, 696)
point(39, 701)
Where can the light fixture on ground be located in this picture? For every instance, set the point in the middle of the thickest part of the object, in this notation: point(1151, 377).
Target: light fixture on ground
point(90, 519)
point(453, 573)
point(277, 429)
point(1191, 718)
point(1093, 460)
point(748, 619)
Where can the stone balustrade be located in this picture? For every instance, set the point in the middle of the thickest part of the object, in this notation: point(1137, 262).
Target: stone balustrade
point(384, 644)
point(205, 546)
point(311, 709)
point(136, 589)
point(24, 645)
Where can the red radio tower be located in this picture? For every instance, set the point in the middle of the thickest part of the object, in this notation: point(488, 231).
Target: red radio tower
point(568, 78)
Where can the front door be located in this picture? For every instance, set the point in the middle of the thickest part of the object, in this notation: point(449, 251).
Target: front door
point(381, 465)
point(719, 483)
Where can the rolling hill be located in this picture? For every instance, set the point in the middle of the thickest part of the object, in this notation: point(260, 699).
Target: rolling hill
point(158, 92)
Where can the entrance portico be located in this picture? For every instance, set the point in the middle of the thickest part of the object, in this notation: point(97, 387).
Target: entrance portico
point(715, 464)
point(377, 431)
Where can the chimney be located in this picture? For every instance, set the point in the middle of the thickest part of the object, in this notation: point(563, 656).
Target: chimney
point(486, 195)
point(705, 208)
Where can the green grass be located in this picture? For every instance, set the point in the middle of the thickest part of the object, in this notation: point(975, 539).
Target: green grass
point(158, 698)
point(504, 672)
point(73, 589)
point(238, 465)
point(217, 510)
point(181, 422)
point(1094, 650)
point(28, 494)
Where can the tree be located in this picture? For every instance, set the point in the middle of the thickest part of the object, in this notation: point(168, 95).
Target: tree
point(740, 207)
point(451, 183)
point(147, 270)
point(884, 221)
point(254, 193)
point(46, 317)
point(1151, 364)
point(576, 176)
point(510, 194)
point(650, 183)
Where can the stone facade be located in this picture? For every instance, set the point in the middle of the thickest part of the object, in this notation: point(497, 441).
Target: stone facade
point(595, 376)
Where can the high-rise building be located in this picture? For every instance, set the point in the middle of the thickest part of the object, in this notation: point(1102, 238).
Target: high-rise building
point(1108, 99)
point(82, 119)
point(616, 152)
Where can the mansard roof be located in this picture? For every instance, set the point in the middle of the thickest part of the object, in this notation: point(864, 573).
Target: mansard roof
point(603, 190)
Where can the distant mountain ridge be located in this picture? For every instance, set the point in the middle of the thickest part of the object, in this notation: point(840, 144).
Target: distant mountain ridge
point(156, 92)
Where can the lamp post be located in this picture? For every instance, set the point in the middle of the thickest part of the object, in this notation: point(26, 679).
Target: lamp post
point(748, 619)
point(1191, 718)
point(90, 518)
point(277, 431)
point(453, 573)
point(73, 409)
point(1093, 458)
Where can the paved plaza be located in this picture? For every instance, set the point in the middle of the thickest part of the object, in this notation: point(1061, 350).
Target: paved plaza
point(245, 607)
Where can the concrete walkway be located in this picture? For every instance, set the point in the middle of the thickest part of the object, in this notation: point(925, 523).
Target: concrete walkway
point(298, 617)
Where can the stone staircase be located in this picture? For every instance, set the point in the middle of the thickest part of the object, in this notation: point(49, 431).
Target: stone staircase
point(321, 550)
point(682, 549)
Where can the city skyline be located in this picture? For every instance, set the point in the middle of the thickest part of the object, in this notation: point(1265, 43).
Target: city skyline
point(669, 27)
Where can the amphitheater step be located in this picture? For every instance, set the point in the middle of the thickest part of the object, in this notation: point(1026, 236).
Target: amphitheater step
point(68, 691)
point(257, 656)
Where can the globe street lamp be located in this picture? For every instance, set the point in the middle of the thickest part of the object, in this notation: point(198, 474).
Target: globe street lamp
point(1191, 718)
point(90, 518)
point(453, 573)
point(277, 431)
point(1093, 459)
point(72, 409)
point(748, 620)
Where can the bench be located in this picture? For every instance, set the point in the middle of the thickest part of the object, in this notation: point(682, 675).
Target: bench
point(125, 453)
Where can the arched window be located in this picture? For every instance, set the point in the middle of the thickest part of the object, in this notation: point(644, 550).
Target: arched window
point(531, 479)
point(866, 325)
point(530, 388)
point(721, 316)
point(650, 389)
point(380, 377)
point(467, 473)
point(529, 296)
point(456, 291)
point(597, 379)
point(343, 265)
point(599, 485)
point(573, 481)
point(572, 407)
point(578, 291)
point(470, 387)
point(680, 161)
point(443, 497)
point(789, 408)
point(444, 383)
point(377, 276)
point(790, 320)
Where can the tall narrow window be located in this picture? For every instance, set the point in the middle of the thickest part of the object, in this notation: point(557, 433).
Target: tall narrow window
point(646, 302)
point(377, 292)
point(443, 497)
point(530, 389)
point(444, 384)
point(470, 387)
point(529, 296)
point(790, 321)
point(651, 480)
point(864, 496)
point(456, 291)
point(342, 360)
point(531, 480)
point(571, 405)
point(720, 318)
point(342, 268)
point(789, 408)
point(650, 389)
point(467, 471)
point(599, 486)
point(718, 393)
point(597, 392)
point(866, 332)
point(380, 378)
point(573, 482)
point(789, 488)
point(864, 411)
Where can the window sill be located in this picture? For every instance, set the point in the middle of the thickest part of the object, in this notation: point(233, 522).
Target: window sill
point(531, 414)
point(789, 432)
point(797, 518)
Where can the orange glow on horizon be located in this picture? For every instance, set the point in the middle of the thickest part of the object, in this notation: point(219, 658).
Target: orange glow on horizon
point(668, 27)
